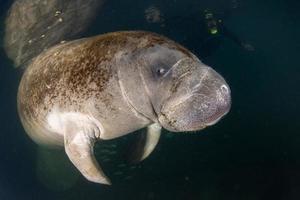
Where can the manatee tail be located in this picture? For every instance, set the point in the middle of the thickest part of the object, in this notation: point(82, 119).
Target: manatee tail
point(32, 26)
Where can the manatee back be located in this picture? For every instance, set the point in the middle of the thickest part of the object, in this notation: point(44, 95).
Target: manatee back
point(70, 77)
point(59, 77)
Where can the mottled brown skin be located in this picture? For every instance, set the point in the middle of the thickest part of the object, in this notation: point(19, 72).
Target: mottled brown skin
point(63, 75)
point(110, 85)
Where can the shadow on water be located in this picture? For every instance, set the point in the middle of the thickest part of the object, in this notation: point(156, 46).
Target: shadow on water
point(253, 153)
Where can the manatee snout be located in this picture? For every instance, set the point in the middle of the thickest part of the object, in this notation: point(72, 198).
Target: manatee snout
point(200, 97)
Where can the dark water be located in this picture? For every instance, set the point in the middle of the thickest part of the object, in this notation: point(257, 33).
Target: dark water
point(252, 154)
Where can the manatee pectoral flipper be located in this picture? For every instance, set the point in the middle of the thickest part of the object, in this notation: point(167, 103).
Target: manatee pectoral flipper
point(146, 143)
point(79, 143)
point(153, 135)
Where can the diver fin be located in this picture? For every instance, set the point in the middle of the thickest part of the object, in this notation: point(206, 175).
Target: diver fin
point(79, 148)
point(146, 143)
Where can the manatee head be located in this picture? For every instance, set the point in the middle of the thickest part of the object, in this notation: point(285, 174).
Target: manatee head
point(168, 84)
point(198, 97)
point(186, 94)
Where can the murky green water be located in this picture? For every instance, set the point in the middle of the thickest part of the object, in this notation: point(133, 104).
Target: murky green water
point(252, 154)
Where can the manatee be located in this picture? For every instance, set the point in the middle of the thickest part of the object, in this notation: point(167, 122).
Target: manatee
point(110, 85)
point(34, 25)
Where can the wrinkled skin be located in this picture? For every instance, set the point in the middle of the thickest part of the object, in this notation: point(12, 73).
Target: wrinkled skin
point(110, 85)
point(186, 95)
point(200, 97)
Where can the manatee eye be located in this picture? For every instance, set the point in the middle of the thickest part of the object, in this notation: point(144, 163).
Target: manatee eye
point(160, 71)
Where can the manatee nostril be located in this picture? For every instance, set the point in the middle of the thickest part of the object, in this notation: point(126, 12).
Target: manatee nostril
point(224, 89)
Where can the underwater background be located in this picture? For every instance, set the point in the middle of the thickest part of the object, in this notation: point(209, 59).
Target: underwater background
point(251, 154)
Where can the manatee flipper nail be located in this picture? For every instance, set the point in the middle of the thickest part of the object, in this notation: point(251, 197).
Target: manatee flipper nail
point(79, 148)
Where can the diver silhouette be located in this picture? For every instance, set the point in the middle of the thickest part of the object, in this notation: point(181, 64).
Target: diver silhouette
point(202, 33)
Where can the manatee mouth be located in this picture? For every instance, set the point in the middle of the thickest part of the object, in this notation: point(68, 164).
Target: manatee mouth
point(214, 119)
point(192, 113)
point(217, 116)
